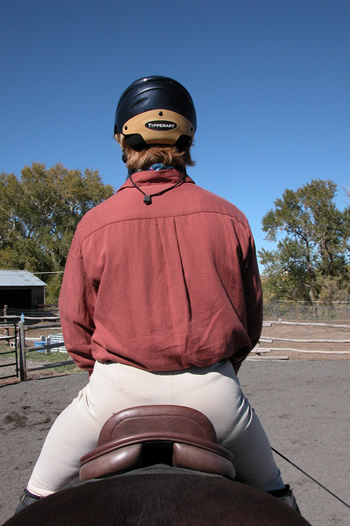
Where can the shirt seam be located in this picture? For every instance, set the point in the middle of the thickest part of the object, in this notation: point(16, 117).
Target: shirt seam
point(83, 238)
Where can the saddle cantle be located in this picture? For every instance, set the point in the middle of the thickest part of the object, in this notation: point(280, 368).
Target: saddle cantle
point(146, 435)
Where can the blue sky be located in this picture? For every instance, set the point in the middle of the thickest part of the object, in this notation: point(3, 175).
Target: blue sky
point(270, 80)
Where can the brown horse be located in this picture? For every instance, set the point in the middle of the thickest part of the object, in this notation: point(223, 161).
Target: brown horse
point(159, 499)
point(164, 467)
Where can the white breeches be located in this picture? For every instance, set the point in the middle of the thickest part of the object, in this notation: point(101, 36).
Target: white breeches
point(214, 390)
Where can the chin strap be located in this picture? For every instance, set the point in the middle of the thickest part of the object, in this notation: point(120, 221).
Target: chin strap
point(148, 198)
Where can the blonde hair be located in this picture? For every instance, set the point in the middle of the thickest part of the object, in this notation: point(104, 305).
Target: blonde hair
point(167, 155)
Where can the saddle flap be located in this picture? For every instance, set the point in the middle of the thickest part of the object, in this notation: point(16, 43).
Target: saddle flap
point(198, 459)
point(116, 461)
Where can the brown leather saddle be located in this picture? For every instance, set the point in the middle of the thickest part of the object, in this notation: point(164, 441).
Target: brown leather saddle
point(158, 434)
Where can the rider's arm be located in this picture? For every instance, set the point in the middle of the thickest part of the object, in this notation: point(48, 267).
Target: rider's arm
point(76, 304)
point(253, 295)
point(253, 302)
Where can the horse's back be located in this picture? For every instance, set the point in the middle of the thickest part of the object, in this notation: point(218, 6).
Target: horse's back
point(158, 499)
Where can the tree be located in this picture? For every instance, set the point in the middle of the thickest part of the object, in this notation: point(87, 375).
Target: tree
point(312, 259)
point(39, 213)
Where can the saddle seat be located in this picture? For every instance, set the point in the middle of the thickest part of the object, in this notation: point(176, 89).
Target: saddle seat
point(147, 435)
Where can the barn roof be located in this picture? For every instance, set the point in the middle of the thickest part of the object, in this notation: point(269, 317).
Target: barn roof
point(19, 278)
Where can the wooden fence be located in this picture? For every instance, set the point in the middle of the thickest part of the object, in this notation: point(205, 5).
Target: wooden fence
point(264, 350)
point(266, 346)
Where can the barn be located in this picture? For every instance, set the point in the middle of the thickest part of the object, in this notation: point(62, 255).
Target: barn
point(20, 289)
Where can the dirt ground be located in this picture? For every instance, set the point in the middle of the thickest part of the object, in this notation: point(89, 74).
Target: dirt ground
point(303, 403)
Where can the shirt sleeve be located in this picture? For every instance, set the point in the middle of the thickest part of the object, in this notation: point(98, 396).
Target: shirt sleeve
point(76, 305)
point(253, 296)
point(253, 301)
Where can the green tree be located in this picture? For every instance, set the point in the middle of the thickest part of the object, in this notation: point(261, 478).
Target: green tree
point(39, 213)
point(312, 235)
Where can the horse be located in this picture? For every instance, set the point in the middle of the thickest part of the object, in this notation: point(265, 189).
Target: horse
point(158, 465)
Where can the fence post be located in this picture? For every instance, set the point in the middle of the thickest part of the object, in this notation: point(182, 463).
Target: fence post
point(22, 356)
point(5, 320)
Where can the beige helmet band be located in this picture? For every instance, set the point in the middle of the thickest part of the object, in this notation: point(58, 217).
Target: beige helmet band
point(159, 126)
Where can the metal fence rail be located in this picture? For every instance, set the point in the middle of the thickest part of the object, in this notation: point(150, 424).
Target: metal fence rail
point(18, 322)
point(7, 338)
point(24, 369)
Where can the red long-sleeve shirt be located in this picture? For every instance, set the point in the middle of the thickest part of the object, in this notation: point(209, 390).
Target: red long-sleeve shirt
point(165, 286)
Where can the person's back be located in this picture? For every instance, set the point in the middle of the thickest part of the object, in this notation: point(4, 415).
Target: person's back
point(176, 275)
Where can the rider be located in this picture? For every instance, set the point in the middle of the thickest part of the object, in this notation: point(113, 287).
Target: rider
point(161, 298)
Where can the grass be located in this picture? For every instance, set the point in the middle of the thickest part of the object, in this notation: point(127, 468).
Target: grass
point(35, 358)
point(6, 348)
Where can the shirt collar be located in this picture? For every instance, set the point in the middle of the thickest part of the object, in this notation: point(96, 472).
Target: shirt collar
point(168, 176)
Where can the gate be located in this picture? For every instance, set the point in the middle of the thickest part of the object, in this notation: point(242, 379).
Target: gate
point(8, 350)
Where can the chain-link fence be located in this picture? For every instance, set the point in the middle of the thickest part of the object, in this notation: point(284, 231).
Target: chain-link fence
point(304, 310)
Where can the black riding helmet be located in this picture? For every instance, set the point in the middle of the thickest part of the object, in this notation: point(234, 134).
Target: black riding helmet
point(156, 110)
